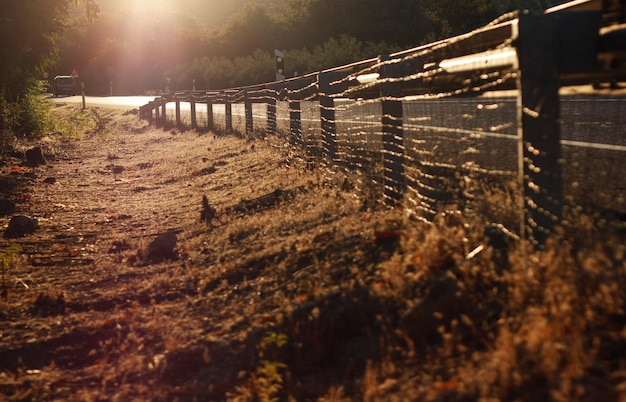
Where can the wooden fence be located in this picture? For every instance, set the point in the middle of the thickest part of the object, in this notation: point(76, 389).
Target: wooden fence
point(535, 55)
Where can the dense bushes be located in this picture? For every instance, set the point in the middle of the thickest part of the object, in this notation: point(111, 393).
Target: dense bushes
point(31, 31)
point(29, 114)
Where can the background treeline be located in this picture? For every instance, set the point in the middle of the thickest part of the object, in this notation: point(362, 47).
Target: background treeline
point(215, 44)
point(176, 47)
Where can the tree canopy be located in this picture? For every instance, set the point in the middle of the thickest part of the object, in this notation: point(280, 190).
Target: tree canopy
point(142, 47)
point(147, 48)
point(31, 31)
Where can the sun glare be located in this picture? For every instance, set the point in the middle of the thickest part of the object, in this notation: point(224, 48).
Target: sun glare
point(143, 7)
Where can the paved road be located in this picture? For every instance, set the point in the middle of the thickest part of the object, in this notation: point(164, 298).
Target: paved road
point(116, 102)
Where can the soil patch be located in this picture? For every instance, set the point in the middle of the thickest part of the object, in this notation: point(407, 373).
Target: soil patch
point(178, 265)
point(162, 259)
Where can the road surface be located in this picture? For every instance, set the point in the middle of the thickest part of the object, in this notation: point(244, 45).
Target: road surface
point(115, 102)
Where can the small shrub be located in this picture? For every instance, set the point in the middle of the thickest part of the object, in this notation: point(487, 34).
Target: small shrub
point(74, 124)
point(270, 380)
point(7, 256)
point(7, 139)
point(8, 112)
point(269, 373)
point(101, 119)
point(35, 116)
point(49, 303)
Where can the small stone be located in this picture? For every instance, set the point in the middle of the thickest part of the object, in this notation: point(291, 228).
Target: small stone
point(20, 225)
point(7, 184)
point(50, 180)
point(162, 247)
point(7, 207)
point(34, 157)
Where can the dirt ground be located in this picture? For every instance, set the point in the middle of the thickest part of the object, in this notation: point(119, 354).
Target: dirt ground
point(286, 282)
point(90, 312)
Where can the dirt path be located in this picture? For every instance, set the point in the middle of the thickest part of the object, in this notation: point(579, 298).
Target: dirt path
point(91, 314)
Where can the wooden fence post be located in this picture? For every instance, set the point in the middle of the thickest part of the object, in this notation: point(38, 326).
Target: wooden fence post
point(539, 145)
point(248, 112)
point(164, 112)
point(228, 111)
point(209, 112)
point(271, 98)
point(192, 105)
point(295, 115)
point(393, 142)
point(178, 120)
point(147, 112)
point(157, 115)
point(329, 85)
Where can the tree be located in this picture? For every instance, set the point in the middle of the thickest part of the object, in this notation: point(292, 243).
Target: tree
point(145, 48)
point(454, 17)
point(31, 31)
point(252, 28)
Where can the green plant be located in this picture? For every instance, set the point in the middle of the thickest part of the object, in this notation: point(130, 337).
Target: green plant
point(74, 124)
point(270, 379)
point(6, 142)
point(274, 338)
point(35, 117)
point(101, 119)
point(6, 258)
point(29, 115)
point(8, 112)
point(269, 373)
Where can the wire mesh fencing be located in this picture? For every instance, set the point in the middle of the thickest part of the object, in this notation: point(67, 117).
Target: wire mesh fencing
point(481, 124)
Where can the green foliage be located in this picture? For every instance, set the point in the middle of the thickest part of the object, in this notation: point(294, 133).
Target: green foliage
point(270, 380)
point(315, 34)
point(29, 115)
point(74, 124)
point(35, 117)
point(273, 338)
point(222, 72)
point(79, 121)
point(9, 111)
point(454, 17)
point(269, 373)
point(31, 31)
point(101, 118)
point(7, 256)
point(510, 5)
point(251, 28)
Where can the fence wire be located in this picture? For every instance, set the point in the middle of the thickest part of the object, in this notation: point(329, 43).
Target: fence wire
point(473, 124)
point(593, 146)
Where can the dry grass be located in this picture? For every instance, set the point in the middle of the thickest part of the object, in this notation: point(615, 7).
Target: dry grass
point(316, 295)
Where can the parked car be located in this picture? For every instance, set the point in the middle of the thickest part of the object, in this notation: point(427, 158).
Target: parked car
point(64, 85)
